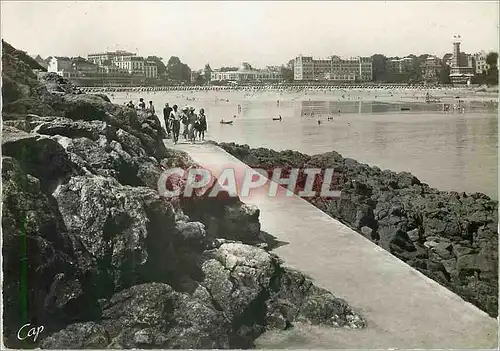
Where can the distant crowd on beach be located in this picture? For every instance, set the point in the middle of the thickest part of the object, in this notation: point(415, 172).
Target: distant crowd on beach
point(195, 124)
point(278, 87)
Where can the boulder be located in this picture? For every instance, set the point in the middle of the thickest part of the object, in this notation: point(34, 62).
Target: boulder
point(295, 298)
point(236, 276)
point(115, 227)
point(89, 335)
point(39, 156)
point(367, 232)
point(414, 234)
point(149, 315)
point(191, 231)
point(73, 129)
point(240, 222)
point(31, 228)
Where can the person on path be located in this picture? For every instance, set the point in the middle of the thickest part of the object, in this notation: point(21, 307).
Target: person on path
point(202, 125)
point(193, 119)
point(175, 117)
point(166, 116)
point(185, 121)
point(151, 107)
point(142, 104)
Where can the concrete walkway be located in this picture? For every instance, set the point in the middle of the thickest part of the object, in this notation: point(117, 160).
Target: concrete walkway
point(404, 309)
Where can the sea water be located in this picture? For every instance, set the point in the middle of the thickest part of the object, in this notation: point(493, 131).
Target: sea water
point(448, 150)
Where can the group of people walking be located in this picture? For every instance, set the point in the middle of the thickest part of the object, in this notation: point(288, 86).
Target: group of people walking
point(141, 105)
point(194, 124)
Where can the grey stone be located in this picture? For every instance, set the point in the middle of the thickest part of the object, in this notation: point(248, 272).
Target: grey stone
point(414, 234)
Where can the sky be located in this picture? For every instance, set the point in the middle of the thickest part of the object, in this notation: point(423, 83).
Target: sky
point(227, 33)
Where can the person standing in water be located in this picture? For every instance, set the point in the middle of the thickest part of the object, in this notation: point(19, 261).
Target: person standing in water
point(175, 117)
point(202, 125)
point(166, 116)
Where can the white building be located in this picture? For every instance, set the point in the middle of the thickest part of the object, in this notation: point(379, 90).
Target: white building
point(480, 63)
point(403, 65)
point(134, 65)
point(150, 69)
point(430, 69)
point(333, 68)
point(247, 74)
point(63, 66)
point(104, 58)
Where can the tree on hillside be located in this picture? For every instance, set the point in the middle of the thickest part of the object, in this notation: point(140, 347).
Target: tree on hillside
point(162, 69)
point(447, 57)
point(199, 79)
point(207, 73)
point(491, 59)
point(177, 71)
point(444, 74)
point(287, 73)
point(492, 73)
point(379, 67)
point(416, 69)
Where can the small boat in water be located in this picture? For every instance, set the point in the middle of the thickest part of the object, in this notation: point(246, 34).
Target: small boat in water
point(226, 122)
point(405, 109)
point(277, 119)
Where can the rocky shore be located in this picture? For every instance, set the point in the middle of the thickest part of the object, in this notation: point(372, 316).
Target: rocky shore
point(93, 254)
point(450, 237)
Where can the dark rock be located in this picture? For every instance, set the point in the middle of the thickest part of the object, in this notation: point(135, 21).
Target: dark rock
point(149, 316)
point(401, 241)
point(32, 229)
point(78, 336)
point(367, 231)
point(414, 234)
point(39, 156)
point(443, 249)
point(323, 308)
point(103, 96)
point(467, 264)
point(401, 203)
point(236, 276)
point(191, 231)
point(117, 226)
point(18, 124)
point(240, 222)
point(298, 299)
point(72, 129)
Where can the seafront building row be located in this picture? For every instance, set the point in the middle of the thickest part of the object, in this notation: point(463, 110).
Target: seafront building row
point(119, 67)
point(114, 65)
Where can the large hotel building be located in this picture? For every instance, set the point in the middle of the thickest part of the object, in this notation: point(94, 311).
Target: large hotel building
point(357, 69)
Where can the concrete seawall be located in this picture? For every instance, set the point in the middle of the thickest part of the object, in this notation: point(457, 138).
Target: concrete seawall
point(404, 308)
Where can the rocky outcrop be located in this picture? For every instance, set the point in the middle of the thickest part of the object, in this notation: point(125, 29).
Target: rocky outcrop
point(94, 254)
point(450, 237)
